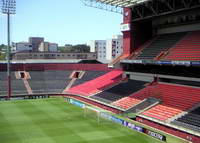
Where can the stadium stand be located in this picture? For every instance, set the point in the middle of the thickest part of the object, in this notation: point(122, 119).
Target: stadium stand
point(187, 49)
point(17, 85)
point(89, 75)
point(190, 120)
point(145, 104)
point(160, 44)
point(132, 100)
point(169, 130)
point(139, 50)
point(184, 96)
point(48, 81)
point(119, 91)
point(95, 85)
point(3, 89)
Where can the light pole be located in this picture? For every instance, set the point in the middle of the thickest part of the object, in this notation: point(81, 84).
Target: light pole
point(8, 8)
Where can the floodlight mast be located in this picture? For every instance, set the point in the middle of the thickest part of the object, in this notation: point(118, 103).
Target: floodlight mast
point(8, 8)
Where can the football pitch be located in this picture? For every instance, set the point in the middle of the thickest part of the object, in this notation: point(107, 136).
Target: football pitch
point(54, 120)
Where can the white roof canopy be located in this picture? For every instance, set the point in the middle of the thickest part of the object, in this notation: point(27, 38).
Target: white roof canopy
point(122, 3)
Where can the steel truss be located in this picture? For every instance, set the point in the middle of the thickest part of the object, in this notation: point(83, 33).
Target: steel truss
point(103, 6)
point(162, 7)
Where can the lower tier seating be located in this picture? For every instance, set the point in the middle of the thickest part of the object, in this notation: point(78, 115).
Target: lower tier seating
point(119, 91)
point(191, 120)
point(132, 100)
point(148, 102)
point(48, 81)
point(96, 85)
point(190, 137)
point(17, 85)
point(175, 100)
point(89, 75)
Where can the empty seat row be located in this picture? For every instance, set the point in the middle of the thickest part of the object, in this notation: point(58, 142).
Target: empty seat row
point(187, 49)
point(123, 89)
point(160, 44)
point(97, 84)
point(175, 100)
point(190, 120)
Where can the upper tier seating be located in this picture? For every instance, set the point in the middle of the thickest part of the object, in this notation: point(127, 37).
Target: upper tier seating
point(89, 75)
point(119, 91)
point(17, 85)
point(160, 44)
point(95, 85)
point(175, 100)
point(187, 49)
point(190, 120)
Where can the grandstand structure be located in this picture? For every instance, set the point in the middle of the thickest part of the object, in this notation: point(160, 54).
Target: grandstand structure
point(158, 78)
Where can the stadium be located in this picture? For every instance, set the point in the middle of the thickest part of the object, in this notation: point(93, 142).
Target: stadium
point(151, 93)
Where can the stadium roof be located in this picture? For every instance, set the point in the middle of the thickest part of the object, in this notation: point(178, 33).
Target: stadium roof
point(70, 61)
point(122, 3)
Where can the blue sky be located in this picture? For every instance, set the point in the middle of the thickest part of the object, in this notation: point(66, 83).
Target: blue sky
point(60, 21)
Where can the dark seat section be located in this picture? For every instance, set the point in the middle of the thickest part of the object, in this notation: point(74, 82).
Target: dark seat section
point(17, 85)
point(89, 75)
point(119, 91)
point(49, 81)
point(3, 83)
point(161, 43)
point(190, 120)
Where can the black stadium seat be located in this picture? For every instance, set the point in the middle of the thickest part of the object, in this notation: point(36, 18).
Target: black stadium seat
point(119, 91)
point(161, 43)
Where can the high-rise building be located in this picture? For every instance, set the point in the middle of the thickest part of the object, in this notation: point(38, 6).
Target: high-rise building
point(107, 50)
point(114, 47)
point(44, 47)
point(99, 46)
point(36, 41)
point(48, 47)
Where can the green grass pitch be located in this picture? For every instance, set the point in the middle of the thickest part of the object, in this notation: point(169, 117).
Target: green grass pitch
point(56, 121)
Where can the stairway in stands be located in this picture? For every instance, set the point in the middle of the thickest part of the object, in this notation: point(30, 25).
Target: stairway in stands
point(160, 44)
point(187, 49)
point(144, 105)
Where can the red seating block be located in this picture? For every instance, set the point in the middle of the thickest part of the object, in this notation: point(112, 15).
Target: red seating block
point(187, 49)
point(97, 84)
point(175, 100)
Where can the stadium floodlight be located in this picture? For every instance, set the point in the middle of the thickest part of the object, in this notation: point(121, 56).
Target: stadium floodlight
point(8, 7)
